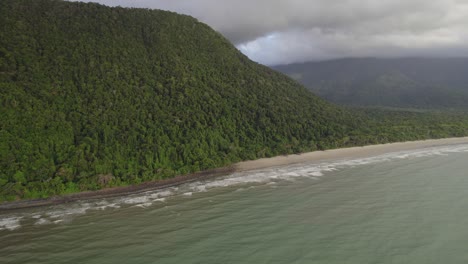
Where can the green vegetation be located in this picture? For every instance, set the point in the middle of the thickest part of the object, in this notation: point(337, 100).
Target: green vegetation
point(94, 97)
point(403, 83)
point(387, 125)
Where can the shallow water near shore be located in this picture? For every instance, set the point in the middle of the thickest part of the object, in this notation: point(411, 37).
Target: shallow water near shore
point(402, 207)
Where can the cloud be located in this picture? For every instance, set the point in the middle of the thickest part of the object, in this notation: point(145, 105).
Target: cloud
point(285, 31)
point(317, 44)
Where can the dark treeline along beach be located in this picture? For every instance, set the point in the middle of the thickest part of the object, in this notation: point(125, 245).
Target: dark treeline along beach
point(94, 97)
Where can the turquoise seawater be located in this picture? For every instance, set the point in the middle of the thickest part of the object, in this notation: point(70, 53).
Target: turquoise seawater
point(405, 207)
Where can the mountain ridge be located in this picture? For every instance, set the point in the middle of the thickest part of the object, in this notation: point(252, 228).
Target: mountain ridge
point(400, 82)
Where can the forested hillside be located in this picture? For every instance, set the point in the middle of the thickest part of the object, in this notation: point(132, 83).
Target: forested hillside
point(94, 97)
point(408, 82)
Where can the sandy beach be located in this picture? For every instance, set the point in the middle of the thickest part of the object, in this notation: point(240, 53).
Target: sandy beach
point(345, 153)
point(316, 156)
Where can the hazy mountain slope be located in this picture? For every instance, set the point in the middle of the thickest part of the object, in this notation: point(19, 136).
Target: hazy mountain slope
point(408, 82)
point(93, 96)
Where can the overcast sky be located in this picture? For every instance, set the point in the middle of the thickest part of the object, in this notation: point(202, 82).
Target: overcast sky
point(286, 31)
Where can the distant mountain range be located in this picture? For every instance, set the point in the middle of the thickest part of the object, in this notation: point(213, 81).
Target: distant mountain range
point(406, 82)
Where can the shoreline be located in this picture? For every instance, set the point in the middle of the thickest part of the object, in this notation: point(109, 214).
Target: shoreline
point(118, 191)
point(315, 156)
point(344, 153)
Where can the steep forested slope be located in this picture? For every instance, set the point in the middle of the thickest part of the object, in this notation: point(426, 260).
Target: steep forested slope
point(407, 82)
point(93, 96)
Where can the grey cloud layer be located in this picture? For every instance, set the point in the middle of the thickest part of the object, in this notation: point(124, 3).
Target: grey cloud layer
point(283, 31)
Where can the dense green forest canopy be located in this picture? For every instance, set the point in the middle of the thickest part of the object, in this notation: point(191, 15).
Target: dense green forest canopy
point(94, 97)
point(407, 82)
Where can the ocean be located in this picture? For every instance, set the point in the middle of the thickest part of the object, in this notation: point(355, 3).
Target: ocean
point(400, 207)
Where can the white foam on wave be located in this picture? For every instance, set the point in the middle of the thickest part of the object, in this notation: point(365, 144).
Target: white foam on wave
point(135, 200)
point(148, 198)
point(65, 213)
point(10, 223)
point(164, 193)
point(42, 221)
point(106, 205)
point(68, 210)
point(317, 174)
point(144, 205)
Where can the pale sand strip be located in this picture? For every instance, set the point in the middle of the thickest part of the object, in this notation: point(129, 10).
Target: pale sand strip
point(345, 153)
